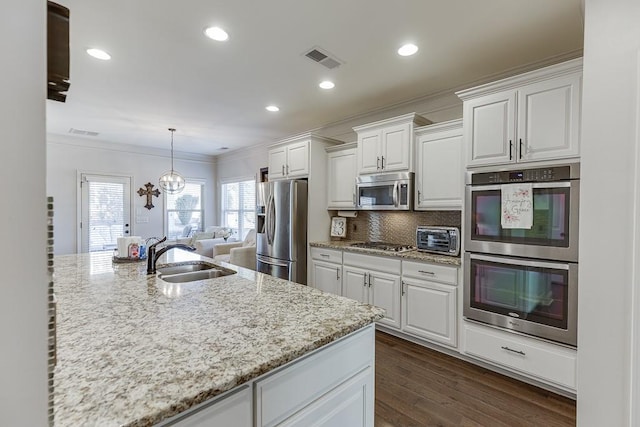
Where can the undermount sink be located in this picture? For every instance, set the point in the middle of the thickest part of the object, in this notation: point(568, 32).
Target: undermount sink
point(181, 273)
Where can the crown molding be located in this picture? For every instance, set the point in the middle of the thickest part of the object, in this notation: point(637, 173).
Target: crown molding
point(126, 148)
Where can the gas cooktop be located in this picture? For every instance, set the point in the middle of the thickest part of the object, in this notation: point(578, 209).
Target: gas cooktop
point(384, 246)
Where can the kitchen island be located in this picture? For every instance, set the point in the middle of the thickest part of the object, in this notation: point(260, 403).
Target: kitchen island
point(135, 350)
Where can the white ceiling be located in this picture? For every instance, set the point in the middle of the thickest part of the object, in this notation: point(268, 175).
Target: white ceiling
point(165, 73)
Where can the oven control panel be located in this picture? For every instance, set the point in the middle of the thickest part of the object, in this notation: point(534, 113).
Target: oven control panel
point(556, 173)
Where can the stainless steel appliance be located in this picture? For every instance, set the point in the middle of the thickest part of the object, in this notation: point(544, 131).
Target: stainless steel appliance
point(384, 246)
point(531, 296)
point(439, 240)
point(524, 279)
point(281, 242)
point(392, 191)
point(556, 196)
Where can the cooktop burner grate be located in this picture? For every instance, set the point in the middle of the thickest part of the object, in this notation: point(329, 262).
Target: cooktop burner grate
point(384, 246)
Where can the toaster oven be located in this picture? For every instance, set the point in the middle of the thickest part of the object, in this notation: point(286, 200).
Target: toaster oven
point(439, 240)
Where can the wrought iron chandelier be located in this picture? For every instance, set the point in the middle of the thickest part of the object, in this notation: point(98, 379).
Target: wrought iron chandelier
point(171, 182)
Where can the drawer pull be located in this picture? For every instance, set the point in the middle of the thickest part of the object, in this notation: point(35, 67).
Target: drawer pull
point(325, 255)
point(513, 351)
point(427, 272)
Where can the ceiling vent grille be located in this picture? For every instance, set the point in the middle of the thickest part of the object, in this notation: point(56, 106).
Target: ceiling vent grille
point(82, 132)
point(323, 57)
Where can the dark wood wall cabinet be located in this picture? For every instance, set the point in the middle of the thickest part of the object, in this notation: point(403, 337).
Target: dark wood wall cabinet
point(57, 52)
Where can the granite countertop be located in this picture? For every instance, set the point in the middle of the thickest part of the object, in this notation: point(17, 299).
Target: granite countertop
point(133, 350)
point(345, 245)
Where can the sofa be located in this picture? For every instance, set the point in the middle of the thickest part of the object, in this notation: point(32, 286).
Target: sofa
point(204, 241)
point(242, 254)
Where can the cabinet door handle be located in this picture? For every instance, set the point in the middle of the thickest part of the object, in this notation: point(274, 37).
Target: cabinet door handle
point(337, 273)
point(513, 351)
point(510, 150)
point(287, 169)
point(520, 153)
point(382, 162)
point(377, 162)
point(354, 199)
point(402, 287)
point(282, 170)
point(418, 195)
point(365, 279)
point(369, 279)
point(427, 272)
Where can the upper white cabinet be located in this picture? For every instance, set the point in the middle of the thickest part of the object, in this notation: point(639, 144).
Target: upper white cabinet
point(439, 166)
point(341, 176)
point(530, 117)
point(387, 145)
point(289, 161)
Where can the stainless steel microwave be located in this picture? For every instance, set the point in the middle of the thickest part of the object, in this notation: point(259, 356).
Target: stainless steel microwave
point(392, 192)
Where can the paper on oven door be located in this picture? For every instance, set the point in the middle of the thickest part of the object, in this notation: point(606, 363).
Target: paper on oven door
point(517, 206)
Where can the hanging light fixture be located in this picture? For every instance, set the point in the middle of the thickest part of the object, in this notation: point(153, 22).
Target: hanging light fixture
point(171, 182)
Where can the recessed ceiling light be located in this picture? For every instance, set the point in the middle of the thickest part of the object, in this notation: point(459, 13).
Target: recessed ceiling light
point(327, 84)
point(272, 108)
point(216, 33)
point(99, 54)
point(408, 49)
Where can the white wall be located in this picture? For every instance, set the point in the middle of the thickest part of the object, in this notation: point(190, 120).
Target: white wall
point(66, 157)
point(609, 212)
point(23, 306)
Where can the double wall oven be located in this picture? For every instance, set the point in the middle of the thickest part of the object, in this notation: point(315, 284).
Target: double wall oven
point(524, 278)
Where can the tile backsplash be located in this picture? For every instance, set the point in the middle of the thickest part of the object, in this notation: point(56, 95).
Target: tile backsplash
point(395, 227)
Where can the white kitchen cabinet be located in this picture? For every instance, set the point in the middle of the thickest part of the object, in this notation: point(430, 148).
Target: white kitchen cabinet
point(341, 176)
point(374, 280)
point(440, 166)
point(289, 161)
point(530, 117)
point(326, 270)
point(387, 145)
point(540, 360)
point(232, 409)
point(333, 387)
point(429, 302)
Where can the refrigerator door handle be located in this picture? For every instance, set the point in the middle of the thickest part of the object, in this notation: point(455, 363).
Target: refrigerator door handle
point(277, 264)
point(271, 220)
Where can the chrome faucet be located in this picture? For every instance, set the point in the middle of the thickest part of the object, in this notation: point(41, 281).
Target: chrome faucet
point(152, 255)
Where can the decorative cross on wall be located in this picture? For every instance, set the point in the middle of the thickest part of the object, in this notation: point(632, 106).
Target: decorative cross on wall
point(149, 193)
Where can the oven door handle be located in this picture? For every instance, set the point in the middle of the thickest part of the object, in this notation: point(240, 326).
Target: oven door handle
point(561, 184)
point(520, 261)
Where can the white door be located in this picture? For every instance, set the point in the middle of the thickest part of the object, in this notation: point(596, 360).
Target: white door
point(354, 283)
point(277, 161)
point(396, 148)
point(297, 159)
point(489, 129)
point(105, 211)
point(385, 293)
point(369, 151)
point(342, 179)
point(327, 276)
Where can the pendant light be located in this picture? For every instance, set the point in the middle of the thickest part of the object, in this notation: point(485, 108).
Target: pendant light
point(171, 182)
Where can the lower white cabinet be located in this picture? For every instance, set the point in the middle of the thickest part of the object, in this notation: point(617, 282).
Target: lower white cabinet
point(429, 302)
point(326, 270)
point(333, 387)
point(374, 280)
point(429, 310)
point(541, 360)
point(232, 409)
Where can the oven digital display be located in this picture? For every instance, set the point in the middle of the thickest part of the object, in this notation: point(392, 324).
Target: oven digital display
point(516, 176)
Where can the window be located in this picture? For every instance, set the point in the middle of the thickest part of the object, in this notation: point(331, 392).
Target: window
point(184, 211)
point(239, 207)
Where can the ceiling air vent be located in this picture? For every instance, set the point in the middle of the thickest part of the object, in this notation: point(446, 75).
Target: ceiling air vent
point(323, 57)
point(83, 132)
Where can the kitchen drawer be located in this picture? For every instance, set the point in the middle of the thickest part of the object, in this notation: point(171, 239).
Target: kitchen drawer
point(542, 360)
point(328, 255)
point(372, 262)
point(286, 392)
point(433, 272)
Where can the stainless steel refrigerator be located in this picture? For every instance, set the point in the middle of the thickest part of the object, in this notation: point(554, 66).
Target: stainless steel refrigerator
point(281, 245)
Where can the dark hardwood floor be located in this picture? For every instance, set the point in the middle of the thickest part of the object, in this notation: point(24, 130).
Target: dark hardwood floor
point(417, 386)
